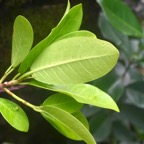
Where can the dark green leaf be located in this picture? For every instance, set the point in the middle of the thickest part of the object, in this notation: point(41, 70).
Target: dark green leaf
point(135, 93)
point(100, 125)
point(111, 33)
point(14, 115)
point(120, 16)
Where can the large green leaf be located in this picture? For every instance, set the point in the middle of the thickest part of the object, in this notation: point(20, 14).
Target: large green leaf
point(83, 93)
point(64, 102)
point(67, 124)
point(74, 60)
point(70, 22)
point(22, 40)
point(121, 17)
point(14, 115)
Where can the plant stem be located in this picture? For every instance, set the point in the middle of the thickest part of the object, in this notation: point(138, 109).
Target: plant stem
point(35, 108)
point(8, 71)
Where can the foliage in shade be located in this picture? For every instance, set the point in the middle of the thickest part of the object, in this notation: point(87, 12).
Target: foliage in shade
point(14, 115)
point(121, 17)
point(22, 40)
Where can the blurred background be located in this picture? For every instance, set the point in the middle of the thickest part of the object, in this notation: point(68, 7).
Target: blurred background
point(124, 83)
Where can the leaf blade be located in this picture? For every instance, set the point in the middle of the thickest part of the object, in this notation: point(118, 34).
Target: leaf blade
point(80, 60)
point(22, 40)
point(83, 93)
point(63, 102)
point(14, 115)
point(70, 22)
point(121, 17)
point(67, 124)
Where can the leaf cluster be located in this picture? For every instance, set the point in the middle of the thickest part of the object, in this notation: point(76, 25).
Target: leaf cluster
point(62, 62)
point(119, 25)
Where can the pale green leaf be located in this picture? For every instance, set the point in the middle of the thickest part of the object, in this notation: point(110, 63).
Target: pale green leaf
point(69, 23)
point(83, 93)
point(74, 60)
point(67, 124)
point(121, 17)
point(22, 40)
point(80, 116)
point(14, 115)
point(80, 33)
point(63, 102)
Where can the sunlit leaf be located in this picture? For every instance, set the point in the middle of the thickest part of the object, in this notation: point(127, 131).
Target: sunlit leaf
point(74, 60)
point(70, 22)
point(22, 40)
point(14, 115)
point(81, 117)
point(83, 93)
point(120, 16)
point(63, 102)
point(67, 124)
point(80, 33)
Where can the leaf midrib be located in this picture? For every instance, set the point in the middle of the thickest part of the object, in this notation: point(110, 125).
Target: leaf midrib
point(68, 62)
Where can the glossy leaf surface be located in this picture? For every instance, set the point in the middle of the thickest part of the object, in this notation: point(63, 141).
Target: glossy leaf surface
point(14, 115)
point(121, 17)
point(83, 93)
point(67, 124)
point(69, 23)
point(74, 60)
point(22, 40)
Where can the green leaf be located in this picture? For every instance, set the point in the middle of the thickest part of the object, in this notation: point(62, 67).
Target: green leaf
point(135, 93)
point(121, 17)
point(67, 124)
point(69, 23)
point(80, 33)
point(112, 34)
point(101, 125)
point(14, 115)
point(63, 102)
point(83, 93)
point(79, 60)
point(22, 40)
point(81, 118)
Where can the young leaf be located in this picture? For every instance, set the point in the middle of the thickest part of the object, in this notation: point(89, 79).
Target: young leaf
point(63, 102)
point(80, 33)
point(22, 40)
point(67, 124)
point(74, 60)
point(69, 23)
point(121, 17)
point(83, 93)
point(14, 115)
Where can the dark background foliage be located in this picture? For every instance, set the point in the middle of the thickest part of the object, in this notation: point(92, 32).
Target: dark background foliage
point(107, 127)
